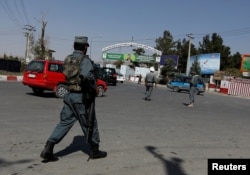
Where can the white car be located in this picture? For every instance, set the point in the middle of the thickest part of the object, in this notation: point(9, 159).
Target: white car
point(120, 77)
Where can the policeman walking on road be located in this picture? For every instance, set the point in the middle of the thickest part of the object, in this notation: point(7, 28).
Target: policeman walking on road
point(77, 107)
point(193, 86)
point(150, 81)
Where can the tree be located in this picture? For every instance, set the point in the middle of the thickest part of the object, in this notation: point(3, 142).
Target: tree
point(42, 38)
point(234, 61)
point(182, 50)
point(215, 45)
point(139, 51)
point(166, 44)
point(233, 72)
point(168, 67)
point(40, 45)
point(195, 67)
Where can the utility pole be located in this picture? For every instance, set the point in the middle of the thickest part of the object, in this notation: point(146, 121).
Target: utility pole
point(29, 29)
point(42, 39)
point(189, 50)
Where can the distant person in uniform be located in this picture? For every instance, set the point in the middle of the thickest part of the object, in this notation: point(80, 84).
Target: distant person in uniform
point(139, 79)
point(150, 82)
point(193, 86)
point(77, 104)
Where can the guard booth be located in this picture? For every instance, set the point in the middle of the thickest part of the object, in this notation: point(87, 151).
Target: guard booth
point(217, 78)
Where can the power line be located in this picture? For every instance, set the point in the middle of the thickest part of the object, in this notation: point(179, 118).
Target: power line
point(235, 32)
point(9, 13)
point(18, 12)
point(229, 33)
point(15, 15)
point(24, 11)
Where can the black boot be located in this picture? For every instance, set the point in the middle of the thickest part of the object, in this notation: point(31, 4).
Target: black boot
point(96, 153)
point(47, 153)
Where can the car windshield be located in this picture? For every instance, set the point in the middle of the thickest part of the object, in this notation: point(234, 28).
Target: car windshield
point(35, 66)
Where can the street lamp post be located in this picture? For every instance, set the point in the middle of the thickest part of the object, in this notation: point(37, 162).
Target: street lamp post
point(189, 50)
point(91, 41)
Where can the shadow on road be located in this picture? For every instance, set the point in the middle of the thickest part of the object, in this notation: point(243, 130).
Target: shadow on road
point(78, 144)
point(172, 166)
point(5, 163)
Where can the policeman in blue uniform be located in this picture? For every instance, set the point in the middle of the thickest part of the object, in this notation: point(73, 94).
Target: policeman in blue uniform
point(75, 108)
point(150, 81)
point(193, 86)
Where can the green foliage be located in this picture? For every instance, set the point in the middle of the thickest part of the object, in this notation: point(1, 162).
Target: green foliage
point(168, 67)
point(139, 51)
point(38, 51)
point(5, 57)
point(234, 61)
point(195, 67)
point(182, 51)
point(163, 80)
point(233, 72)
point(166, 44)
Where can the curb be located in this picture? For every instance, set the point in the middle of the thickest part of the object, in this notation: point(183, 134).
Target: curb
point(10, 78)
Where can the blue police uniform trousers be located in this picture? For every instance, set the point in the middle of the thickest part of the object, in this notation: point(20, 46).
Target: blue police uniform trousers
point(74, 110)
point(149, 90)
point(192, 92)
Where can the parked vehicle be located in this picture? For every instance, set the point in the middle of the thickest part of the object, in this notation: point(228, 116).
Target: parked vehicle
point(111, 75)
point(101, 88)
point(182, 83)
point(43, 75)
point(100, 73)
point(120, 77)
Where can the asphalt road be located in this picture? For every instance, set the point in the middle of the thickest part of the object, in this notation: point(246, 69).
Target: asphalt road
point(158, 137)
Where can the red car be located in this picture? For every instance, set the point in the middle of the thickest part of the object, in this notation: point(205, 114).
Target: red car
point(43, 75)
point(101, 88)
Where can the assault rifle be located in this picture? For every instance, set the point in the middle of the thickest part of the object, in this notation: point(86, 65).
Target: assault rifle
point(89, 111)
point(89, 94)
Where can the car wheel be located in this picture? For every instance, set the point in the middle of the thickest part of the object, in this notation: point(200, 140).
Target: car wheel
point(37, 91)
point(121, 81)
point(114, 83)
point(176, 89)
point(61, 90)
point(99, 91)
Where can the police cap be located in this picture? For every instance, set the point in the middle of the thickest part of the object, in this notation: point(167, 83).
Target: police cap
point(81, 39)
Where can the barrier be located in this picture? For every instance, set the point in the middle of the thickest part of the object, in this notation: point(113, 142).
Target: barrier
point(239, 87)
point(3, 77)
point(11, 78)
point(224, 86)
point(211, 85)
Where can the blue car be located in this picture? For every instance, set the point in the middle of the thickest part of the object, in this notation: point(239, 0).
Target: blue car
point(182, 83)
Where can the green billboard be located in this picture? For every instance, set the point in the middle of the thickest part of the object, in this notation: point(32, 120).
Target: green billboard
point(128, 57)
